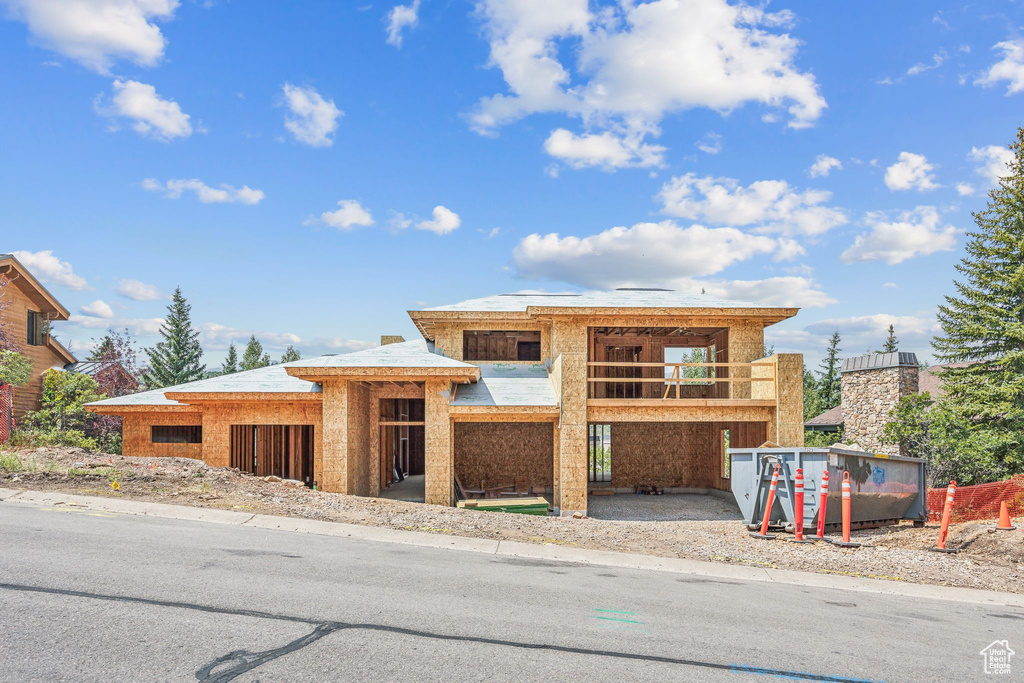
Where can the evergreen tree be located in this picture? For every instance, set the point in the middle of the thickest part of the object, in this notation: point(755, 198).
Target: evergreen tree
point(231, 362)
point(892, 344)
point(254, 357)
point(175, 360)
point(983, 326)
point(812, 401)
point(104, 349)
point(828, 377)
point(290, 355)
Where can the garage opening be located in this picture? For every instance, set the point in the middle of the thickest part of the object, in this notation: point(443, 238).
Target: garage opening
point(284, 451)
point(682, 466)
point(493, 459)
point(402, 448)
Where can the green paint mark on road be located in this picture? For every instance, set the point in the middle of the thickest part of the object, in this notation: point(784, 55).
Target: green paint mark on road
point(627, 621)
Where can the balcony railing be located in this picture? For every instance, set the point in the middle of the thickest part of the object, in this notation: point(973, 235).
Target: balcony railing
point(654, 382)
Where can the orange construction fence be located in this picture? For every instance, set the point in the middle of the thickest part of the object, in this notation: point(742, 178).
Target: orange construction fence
point(980, 501)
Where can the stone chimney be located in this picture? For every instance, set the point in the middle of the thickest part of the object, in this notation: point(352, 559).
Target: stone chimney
point(872, 385)
point(386, 339)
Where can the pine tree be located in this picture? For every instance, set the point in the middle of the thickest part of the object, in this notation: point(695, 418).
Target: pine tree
point(290, 355)
point(254, 357)
point(231, 362)
point(175, 360)
point(828, 377)
point(892, 344)
point(812, 401)
point(103, 350)
point(983, 326)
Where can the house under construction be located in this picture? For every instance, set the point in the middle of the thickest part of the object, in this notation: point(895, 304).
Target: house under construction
point(557, 394)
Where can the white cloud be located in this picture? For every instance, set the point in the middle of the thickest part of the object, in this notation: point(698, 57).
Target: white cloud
point(785, 292)
point(789, 250)
point(96, 32)
point(992, 162)
point(399, 18)
point(48, 268)
point(915, 233)
point(964, 189)
point(890, 285)
point(711, 143)
point(151, 115)
point(910, 172)
point(313, 119)
point(635, 63)
point(321, 345)
point(771, 205)
point(1010, 68)
point(348, 216)
point(224, 194)
point(605, 150)
point(861, 332)
point(137, 326)
point(445, 220)
point(823, 165)
point(644, 254)
point(140, 291)
point(217, 336)
point(99, 309)
point(938, 59)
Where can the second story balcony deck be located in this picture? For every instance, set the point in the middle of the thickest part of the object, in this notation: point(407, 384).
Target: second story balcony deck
point(623, 383)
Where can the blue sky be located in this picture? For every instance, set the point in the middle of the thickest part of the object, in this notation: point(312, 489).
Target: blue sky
point(308, 171)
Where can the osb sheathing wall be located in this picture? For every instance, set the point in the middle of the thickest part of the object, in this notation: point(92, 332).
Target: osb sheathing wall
point(219, 416)
point(137, 435)
point(438, 469)
point(788, 392)
point(746, 344)
point(448, 335)
point(491, 454)
point(359, 466)
point(677, 454)
point(569, 339)
point(331, 469)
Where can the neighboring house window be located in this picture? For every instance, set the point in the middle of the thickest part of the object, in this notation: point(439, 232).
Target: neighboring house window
point(177, 434)
point(726, 464)
point(36, 329)
point(501, 345)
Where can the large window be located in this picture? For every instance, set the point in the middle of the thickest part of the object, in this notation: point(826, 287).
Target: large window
point(177, 434)
point(498, 345)
point(36, 328)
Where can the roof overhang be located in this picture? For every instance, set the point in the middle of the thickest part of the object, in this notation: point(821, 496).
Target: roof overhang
point(384, 374)
point(426, 321)
point(227, 396)
point(59, 349)
point(130, 409)
point(18, 274)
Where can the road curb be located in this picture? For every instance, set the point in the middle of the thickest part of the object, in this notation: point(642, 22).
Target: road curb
point(518, 549)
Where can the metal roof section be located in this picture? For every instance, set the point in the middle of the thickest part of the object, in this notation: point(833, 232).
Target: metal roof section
point(269, 380)
point(625, 297)
point(508, 385)
point(879, 361)
point(410, 354)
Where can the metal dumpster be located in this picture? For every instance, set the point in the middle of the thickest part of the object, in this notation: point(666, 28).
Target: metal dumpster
point(885, 488)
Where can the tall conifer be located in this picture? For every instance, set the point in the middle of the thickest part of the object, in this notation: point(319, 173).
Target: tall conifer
point(176, 359)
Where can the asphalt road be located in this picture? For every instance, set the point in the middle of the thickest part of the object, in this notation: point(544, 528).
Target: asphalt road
point(92, 596)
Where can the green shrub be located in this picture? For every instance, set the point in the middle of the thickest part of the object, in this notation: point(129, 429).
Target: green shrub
point(32, 437)
point(15, 369)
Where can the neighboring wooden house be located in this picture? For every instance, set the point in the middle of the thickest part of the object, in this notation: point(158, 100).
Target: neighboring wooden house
point(28, 318)
point(504, 391)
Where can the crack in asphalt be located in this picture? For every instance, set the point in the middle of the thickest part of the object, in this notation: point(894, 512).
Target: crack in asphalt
point(238, 662)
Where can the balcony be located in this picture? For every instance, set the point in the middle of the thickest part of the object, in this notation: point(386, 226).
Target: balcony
point(681, 384)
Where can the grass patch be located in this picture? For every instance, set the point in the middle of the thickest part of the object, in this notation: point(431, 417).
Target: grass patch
point(110, 473)
point(12, 463)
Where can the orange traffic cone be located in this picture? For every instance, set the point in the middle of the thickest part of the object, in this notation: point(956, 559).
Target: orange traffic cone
point(1004, 518)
